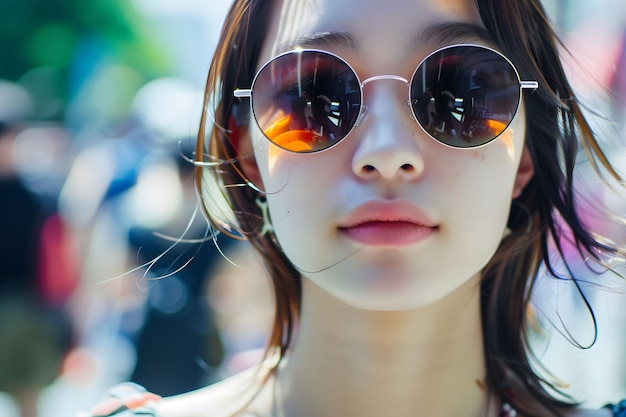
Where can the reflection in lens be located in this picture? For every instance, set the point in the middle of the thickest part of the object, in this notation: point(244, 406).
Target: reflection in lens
point(306, 101)
point(465, 96)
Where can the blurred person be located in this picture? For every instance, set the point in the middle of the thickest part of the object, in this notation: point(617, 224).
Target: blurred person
point(129, 200)
point(179, 346)
point(105, 313)
point(22, 213)
point(34, 332)
point(402, 255)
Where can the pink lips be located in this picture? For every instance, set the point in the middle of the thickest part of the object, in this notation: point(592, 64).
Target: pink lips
point(390, 224)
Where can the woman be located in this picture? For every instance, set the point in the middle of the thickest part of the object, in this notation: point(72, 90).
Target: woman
point(402, 227)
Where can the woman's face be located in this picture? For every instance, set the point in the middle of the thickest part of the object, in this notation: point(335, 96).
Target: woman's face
point(388, 219)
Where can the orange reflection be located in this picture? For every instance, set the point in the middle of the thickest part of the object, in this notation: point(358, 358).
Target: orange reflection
point(279, 132)
point(506, 136)
point(496, 126)
point(299, 140)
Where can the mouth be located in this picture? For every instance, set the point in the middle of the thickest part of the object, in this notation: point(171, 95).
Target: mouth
point(388, 233)
point(388, 225)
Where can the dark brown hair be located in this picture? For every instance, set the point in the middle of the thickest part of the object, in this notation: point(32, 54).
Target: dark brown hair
point(555, 130)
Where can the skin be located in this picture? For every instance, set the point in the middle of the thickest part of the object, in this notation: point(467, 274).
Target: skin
point(385, 330)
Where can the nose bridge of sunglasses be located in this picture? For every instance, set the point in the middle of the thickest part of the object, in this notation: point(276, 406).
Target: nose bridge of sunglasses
point(384, 77)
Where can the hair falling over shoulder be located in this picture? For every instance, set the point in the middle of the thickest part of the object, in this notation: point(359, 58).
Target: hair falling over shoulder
point(228, 196)
point(556, 130)
point(545, 213)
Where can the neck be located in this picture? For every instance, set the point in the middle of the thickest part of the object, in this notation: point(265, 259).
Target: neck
point(352, 362)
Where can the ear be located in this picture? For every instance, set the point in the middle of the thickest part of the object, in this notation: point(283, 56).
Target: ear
point(525, 173)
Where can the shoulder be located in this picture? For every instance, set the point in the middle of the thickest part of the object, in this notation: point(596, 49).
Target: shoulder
point(242, 395)
point(125, 400)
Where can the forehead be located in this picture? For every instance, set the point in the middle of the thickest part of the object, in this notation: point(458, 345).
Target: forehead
point(371, 25)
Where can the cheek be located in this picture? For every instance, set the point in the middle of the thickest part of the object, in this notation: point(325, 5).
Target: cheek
point(302, 193)
point(294, 187)
point(497, 164)
point(481, 186)
point(302, 220)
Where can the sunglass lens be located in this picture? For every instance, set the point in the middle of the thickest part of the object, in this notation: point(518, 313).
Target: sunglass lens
point(306, 101)
point(465, 96)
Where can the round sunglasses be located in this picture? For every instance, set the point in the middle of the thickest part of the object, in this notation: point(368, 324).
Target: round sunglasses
point(308, 100)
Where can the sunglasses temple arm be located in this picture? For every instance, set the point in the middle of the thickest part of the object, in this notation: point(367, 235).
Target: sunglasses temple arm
point(533, 85)
point(240, 92)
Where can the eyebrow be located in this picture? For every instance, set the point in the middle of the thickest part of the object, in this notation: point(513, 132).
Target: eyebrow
point(341, 40)
point(447, 32)
point(440, 33)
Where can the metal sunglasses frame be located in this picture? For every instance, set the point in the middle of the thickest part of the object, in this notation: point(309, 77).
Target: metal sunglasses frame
point(523, 85)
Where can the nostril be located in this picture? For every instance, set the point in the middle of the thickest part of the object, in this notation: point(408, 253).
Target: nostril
point(405, 169)
point(387, 162)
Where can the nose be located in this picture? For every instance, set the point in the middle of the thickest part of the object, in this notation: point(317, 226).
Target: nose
point(387, 148)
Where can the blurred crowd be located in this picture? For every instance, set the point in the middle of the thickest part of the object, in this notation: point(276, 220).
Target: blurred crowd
point(108, 271)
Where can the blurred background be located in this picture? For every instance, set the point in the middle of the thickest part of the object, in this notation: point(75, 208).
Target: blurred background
point(102, 278)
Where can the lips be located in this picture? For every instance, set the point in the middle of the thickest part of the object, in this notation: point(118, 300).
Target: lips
point(387, 224)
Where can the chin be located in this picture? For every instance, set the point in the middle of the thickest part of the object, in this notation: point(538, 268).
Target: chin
point(393, 280)
point(389, 293)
